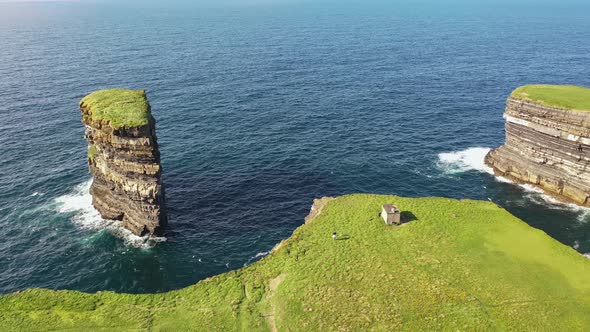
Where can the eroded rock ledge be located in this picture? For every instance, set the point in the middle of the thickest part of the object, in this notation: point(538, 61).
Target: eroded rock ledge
point(124, 159)
point(546, 145)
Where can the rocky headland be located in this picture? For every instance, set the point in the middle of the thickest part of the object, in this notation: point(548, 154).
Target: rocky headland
point(547, 141)
point(462, 265)
point(124, 159)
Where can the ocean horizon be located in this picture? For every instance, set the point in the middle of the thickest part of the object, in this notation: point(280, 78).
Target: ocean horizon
point(262, 106)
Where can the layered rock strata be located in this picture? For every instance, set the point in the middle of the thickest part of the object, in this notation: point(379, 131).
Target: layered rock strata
point(546, 146)
point(124, 159)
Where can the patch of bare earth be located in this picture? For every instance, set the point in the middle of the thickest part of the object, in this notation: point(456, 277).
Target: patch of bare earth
point(317, 207)
point(273, 285)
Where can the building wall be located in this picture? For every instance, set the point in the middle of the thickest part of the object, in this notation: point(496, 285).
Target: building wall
point(384, 215)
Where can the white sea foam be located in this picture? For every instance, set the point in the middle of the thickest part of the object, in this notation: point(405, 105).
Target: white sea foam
point(258, 255)
point(465, 160)
point(534, 189)
point(261, 254)
point(538, 196)
point(472, 159)
point(79, 202)
point(503, 179)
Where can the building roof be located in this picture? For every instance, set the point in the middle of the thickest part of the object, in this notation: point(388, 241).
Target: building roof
point(390, 208)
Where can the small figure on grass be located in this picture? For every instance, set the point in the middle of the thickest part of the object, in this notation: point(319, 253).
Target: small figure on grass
point(334, 236)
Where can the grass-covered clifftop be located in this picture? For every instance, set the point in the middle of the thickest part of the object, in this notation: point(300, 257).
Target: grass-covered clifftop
point(121, 108)
point(460, 265)
point(569, 97)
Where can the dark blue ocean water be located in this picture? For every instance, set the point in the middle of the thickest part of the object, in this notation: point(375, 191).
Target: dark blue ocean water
point(262, 106)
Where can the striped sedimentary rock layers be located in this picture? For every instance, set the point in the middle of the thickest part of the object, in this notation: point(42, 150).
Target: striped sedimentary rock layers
point(546, 146)
point(125, 164)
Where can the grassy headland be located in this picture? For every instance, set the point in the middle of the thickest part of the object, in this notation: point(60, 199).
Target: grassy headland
point(570, 97)
point(120, 107)
point(460, 265)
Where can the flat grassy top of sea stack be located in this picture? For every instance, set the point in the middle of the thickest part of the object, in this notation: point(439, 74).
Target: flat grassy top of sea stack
point(121, 108)
point(571, 97)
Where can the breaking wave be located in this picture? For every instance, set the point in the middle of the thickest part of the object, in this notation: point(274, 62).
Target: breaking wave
point(256, 257)
point(465, 160)
point(538, 196)
point(472, 159)
point(85, 216)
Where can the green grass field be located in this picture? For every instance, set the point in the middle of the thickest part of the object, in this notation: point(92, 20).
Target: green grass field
point(564, 96)
point(121, 108)
point(460, 265)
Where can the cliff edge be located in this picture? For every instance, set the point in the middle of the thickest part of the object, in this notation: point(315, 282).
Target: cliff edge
point(547, 140)
point(124, 159)
point(460, 265)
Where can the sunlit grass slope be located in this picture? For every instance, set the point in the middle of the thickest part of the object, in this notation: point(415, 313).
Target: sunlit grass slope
point(119, 107)
point(564, 96)
point(461, 265)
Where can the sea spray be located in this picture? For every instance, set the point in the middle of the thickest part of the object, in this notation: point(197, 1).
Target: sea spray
point(79, 203)
point(256, 257)
point(472, 159)
point(464, 160)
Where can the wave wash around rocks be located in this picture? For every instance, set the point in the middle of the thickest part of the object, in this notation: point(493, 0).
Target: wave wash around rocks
point(547, 140)
point(124, 159)
point(456, 265)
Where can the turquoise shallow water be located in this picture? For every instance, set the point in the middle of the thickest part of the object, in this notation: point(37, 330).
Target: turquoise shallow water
point(261, 107)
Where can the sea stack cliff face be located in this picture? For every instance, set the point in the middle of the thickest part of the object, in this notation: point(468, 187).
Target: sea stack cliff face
point(124, 159)
point(547, 141)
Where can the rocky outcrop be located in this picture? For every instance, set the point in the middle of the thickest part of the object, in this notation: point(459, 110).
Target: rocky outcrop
point(317, 207)
point(124, 159)
point(546, 146)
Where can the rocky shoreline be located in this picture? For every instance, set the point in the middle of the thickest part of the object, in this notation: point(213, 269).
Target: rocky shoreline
point(461, 266)
point(546, 146)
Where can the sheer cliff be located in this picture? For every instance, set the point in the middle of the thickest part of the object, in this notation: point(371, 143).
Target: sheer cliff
point(124, 159)
point(547, 140)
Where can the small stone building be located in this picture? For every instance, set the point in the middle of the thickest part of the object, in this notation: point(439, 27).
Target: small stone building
point(391, 214)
